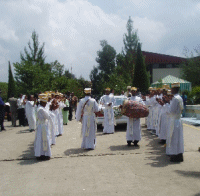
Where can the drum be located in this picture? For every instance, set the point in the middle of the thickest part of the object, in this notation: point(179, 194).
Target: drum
point(133, 109)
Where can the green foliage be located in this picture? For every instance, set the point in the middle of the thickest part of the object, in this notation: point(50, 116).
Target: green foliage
point(106, 59)
point(190, 70)
point(11, 82)
point(69, 75)
point(36, 54)
point(140, 79)
point(129, 52)
point(4, 90)
point(116, 82)
point(130, 39)
point(106, 66)
point(194, 96)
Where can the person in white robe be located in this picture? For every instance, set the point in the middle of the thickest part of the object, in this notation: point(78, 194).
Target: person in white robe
point(133, 131)
point(85, 113)
point(52, 122)
point(30, 113)
point(175, 143)
point(164, 121)
point(55, 110)
point(108, 102)
point(42, 147)
point(60, 115)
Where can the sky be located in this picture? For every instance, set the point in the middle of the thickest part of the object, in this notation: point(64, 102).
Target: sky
point(72, 29)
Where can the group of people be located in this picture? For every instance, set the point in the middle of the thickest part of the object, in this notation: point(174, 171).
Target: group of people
point(46, 113)
point(164, 119)
point(49, 111)
point(165, 108)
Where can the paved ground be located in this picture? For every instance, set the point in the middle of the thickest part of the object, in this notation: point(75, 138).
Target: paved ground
point(112, 168)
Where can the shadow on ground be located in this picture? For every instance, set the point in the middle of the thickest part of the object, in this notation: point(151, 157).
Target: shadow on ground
point(123, 147)
point(158, 151)
point(76, 151)
point(28, 158)
point(118, 128)
point(191, 174)
point(23, 131)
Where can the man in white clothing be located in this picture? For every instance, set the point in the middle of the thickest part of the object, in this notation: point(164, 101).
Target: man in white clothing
point(175, 144)
point(85, 113)
point(42, 140)
point(30, 113)
point(133, 132)
point(108, 101)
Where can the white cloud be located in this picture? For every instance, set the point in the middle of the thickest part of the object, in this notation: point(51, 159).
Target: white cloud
point(7, 33)
point(149, 31)
point(72, 29)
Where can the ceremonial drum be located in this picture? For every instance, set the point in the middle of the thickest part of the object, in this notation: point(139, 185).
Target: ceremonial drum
point(133, 109)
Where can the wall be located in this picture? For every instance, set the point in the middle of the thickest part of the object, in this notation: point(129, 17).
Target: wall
point(193, 111)
point(159, 73)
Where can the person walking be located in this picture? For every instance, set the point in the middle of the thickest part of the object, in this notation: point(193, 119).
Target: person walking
point(133, 132)
point(86, 114)
point(108, 102)
point(13, 109)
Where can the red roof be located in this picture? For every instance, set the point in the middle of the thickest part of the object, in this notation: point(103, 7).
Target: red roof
point(152, 58)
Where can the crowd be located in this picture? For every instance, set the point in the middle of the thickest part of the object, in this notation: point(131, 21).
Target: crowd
point(164, 119)
point(47, 112)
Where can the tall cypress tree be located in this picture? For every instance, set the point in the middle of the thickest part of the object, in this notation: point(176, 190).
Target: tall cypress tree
point(11, 82)
point(140, 78)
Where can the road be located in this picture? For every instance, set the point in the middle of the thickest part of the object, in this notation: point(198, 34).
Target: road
point(112, 168)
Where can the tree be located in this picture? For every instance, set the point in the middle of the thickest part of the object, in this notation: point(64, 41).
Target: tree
point(131, 39)
point(11, 82)
point(36, 54)
point(32, 74)
point(140, 79)
point(97, 81)
point(190, 69)
point(69, 75)
point(130, 46)
point(106, 58)
point(4, 90)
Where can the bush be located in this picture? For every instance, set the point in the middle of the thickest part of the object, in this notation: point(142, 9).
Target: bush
point(194, 96)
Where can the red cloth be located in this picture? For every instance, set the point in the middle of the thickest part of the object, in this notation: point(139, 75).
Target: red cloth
point(133, 109)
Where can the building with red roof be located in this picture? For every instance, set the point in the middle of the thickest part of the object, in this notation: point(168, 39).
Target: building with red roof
point(161, 65)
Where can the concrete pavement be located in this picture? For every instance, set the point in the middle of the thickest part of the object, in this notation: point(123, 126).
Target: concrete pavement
point(112, 168)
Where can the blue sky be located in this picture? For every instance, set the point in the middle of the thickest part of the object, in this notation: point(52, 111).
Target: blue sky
point(72, 29)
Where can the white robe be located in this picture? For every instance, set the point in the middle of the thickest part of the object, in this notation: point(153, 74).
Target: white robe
point(133, 131)
point(151, 102)
point(157, 126)
point(30, 114)
point(60, 117)
point(56, 116)
point(89, 126)
point(42, 138)
point(175, 144)
point(109, 121)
